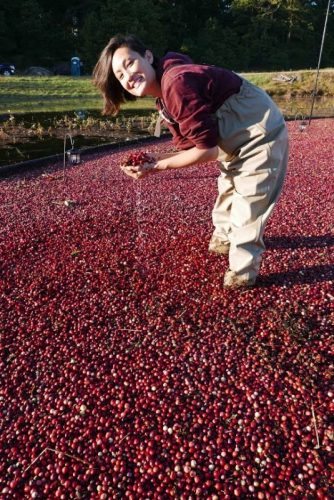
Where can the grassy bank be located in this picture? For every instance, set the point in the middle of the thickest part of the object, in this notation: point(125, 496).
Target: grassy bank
point(49, 94)
point(302, 85)
point(33, 94)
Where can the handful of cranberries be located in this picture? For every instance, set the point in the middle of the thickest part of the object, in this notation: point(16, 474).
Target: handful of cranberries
point(139, 158)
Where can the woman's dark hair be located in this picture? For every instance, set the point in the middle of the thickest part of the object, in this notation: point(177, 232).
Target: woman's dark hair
point(103, 76)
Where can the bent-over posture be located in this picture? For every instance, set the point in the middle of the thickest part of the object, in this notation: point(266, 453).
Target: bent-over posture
point(213, 114)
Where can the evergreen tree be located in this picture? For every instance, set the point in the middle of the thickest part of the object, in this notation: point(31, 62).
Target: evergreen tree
point(240, 34)
point(8, 42)
point(142, 18)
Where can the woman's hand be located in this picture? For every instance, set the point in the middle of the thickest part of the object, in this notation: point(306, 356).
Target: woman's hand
point(182, 159)
point(138, 171)
point(161, 165)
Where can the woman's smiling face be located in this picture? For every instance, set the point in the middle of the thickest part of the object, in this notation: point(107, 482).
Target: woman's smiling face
point(135, 72)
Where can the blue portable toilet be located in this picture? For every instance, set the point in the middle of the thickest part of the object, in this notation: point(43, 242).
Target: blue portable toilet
point(75, 66)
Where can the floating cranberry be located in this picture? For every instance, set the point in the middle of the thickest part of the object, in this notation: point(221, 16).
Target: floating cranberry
point(127, 371)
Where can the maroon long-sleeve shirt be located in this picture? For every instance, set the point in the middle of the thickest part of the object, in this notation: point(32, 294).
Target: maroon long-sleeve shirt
point(191, 94)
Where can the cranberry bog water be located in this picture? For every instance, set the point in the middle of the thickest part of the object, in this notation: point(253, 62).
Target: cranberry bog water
point(127, 371)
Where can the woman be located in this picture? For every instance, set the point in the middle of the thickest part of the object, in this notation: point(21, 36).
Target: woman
point(213, 114)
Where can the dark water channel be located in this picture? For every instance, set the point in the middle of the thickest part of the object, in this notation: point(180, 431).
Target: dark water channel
point(36, 135)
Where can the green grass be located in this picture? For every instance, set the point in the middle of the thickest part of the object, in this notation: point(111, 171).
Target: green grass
point(303, 86)
point(57, 93)
point(22, 94)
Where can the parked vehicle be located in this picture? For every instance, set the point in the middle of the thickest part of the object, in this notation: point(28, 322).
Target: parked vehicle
point(7, 69)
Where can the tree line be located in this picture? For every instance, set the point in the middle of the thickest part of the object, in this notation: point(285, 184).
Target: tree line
point(243, 35)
